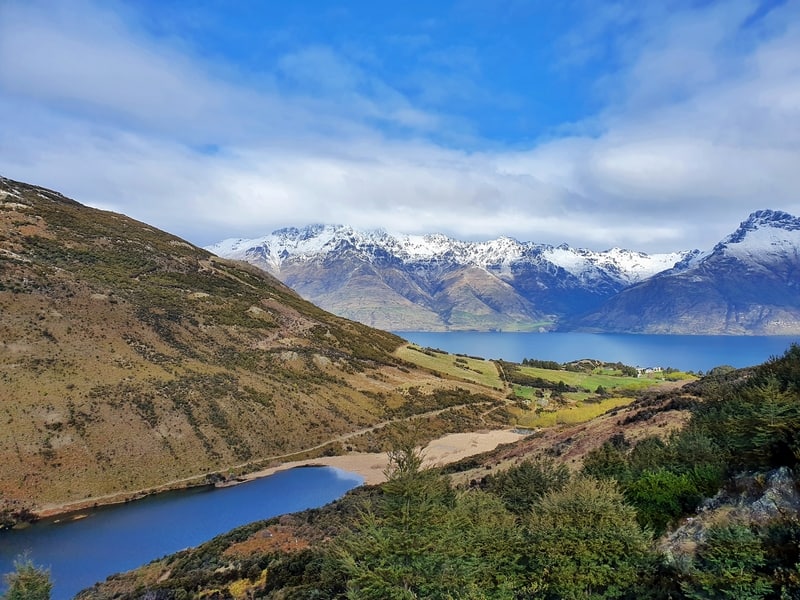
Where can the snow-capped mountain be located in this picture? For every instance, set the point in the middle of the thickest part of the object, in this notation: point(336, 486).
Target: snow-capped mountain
point(319, 241)
point(407, 282)
point(748, 283)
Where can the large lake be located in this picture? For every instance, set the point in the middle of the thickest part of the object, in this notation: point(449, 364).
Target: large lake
point(684, 352)
point(119, 538)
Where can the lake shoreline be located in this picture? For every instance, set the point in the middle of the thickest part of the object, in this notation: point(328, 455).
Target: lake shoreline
point(370, 466)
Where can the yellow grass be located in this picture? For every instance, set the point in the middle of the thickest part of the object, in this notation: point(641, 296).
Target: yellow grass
point(571, 415)
point(483, 372)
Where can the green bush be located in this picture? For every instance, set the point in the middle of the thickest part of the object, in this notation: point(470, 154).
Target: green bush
point(585, 542)
point(661, 497)
point(27, 582)
point(521, 486)
point(728, 565)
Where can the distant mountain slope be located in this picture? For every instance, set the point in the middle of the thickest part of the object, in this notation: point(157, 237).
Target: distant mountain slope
point(433, 282)
point(748, 284)
point(130, 358)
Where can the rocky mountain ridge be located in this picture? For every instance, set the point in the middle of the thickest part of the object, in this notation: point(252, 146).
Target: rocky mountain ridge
point(407, 282)
point(746, 284)
point(749, 283)
point(316, 241)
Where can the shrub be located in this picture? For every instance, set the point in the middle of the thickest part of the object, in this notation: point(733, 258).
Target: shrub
point(28, 582)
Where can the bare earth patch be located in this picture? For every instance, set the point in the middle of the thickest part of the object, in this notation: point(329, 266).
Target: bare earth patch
point(372, 467)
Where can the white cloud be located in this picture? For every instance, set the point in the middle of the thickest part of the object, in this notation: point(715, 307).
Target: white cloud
point(702, 126)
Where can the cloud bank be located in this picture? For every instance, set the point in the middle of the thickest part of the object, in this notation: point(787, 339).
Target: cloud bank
point(698, 125)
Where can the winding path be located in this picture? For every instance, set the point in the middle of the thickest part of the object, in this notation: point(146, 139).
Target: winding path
point(49, 510)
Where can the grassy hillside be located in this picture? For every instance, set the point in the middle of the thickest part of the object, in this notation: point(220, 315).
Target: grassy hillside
point(476, 370)
point(130, 359)
point(536, 520)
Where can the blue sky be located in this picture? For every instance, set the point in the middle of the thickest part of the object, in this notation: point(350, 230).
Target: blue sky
point(648, 125)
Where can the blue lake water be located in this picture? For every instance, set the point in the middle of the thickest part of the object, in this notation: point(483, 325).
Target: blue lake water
point(685, 352)
point(119, 538)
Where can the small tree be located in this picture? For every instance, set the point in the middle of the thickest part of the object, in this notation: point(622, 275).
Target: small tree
point(584, 542)
point(729, 565)
point(28, 582)
point(661, 496)
point(521, 486)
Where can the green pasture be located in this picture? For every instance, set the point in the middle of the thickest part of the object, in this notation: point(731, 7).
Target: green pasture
point(604, 378)
point(483, 372)
point(572, 414)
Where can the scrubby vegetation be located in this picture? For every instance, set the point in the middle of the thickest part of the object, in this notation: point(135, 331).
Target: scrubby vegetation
point(131, 360)
point(537, 530)
point(27, 582)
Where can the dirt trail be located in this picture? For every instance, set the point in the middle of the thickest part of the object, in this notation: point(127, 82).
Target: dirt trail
point(370, 466)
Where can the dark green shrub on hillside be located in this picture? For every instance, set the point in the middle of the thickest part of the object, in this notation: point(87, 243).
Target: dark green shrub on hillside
point(609, 461)
point(729, 564)
point(27, 582)
point(521, 486)
point(781, 542)
point(649, 454)
point(420, 540)
point(542, 364)
point(661, 497)
point(757, 425)
point(584, 542)
point(784, 369)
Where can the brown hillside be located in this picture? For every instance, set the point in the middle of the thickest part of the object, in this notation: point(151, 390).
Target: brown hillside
point(130, 359)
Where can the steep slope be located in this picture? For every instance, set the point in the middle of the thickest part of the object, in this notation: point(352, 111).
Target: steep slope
point(130, 358)
point(433, 282)
point(748, 284)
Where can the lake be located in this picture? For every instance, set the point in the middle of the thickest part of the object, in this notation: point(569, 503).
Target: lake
point(118, 538)
point(684, 352)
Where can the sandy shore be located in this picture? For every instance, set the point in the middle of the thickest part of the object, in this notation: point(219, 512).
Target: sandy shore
point(371, 467)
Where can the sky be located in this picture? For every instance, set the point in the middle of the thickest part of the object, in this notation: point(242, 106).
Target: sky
point(653, 126)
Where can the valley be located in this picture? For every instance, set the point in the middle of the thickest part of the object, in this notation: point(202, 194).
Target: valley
point(633, 476)
point(133, 363)
point(130, 358)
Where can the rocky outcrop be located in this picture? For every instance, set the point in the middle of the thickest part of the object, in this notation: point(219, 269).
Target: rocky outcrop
point(752, 499)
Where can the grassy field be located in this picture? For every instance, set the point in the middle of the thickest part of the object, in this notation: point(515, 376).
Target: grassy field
point(572, 407)
point(580, 412)
point(479, 371)
point(607, 379)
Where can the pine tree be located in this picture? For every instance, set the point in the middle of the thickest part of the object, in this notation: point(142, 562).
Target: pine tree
point(28, 582)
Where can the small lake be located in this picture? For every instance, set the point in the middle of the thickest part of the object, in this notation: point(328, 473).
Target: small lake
point(122, 537)
point(684, 352)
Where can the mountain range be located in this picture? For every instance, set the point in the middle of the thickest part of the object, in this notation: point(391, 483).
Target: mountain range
point(747, 284)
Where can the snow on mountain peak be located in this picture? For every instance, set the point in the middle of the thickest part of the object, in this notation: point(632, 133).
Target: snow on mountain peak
point(315, 241)
point(773, 218)
point(625, 265)
point(765, 233)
